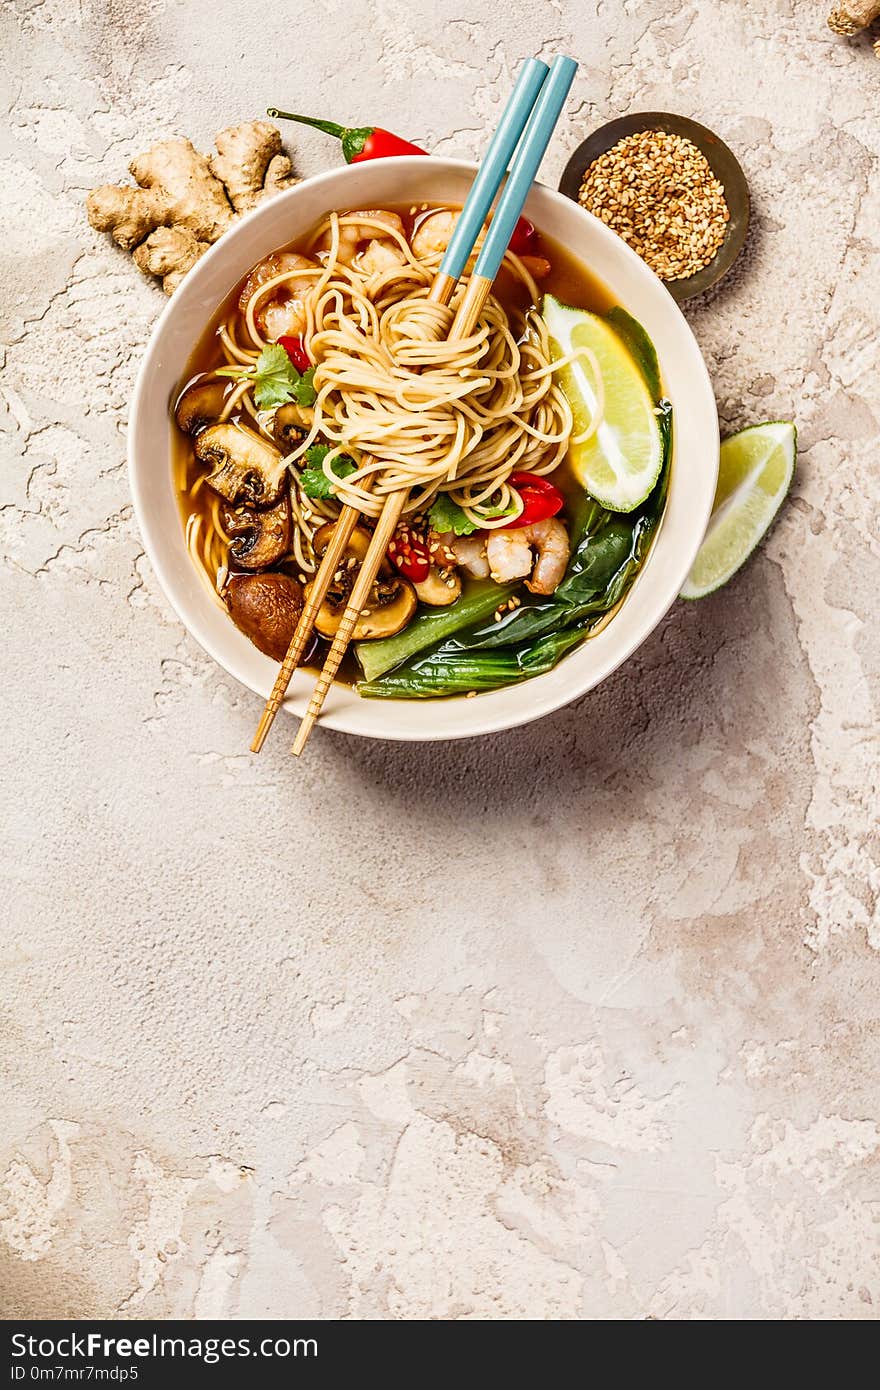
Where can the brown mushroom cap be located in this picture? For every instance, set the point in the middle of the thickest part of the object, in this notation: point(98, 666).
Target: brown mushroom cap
point(260, 536)
point(200, 405)
point(290, 425)
point(391, 605)
point(358, 545)
point(442, 586)
point(266, 608)
point(245, 467)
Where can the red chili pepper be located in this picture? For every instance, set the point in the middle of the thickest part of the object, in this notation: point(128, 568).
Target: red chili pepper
point(296, 351)
point(358, 142)
point(541, 499)
point(410, 554)
point(524, 241)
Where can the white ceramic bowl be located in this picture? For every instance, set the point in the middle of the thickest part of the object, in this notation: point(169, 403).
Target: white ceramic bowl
point(415, 180)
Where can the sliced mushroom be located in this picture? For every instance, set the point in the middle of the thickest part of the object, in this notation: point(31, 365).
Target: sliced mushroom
point(260, 536)
point(357, 546)
point(391, 604)
point(290, 424)
point(356, 549)
point(246, 468)
point(200, 405)
point(266, 608)
point(441, 587)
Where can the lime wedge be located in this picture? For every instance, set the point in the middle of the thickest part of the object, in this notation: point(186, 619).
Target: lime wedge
point(639, 345)
point(757, 466)
point(620, 463)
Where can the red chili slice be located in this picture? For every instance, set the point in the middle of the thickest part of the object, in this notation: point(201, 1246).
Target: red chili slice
point(541, 499)
point(524, 241)
point(296, 351)
point(410, 554)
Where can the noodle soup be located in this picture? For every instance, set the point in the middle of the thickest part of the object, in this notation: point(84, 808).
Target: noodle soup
point(326, 378)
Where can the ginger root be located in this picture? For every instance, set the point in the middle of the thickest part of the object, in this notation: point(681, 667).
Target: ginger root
point(185, 201)
point(250, 163)
point(169, 252)
point(853, 16)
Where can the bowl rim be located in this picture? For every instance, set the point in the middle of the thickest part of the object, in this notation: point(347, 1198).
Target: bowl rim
point(489, 712)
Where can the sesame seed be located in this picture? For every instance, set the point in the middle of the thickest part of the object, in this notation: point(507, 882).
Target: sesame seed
point(658, 192)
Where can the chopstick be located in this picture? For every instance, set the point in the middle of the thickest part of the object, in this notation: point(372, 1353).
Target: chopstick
point(480, 197)
point(342, 533)
point(530, 151)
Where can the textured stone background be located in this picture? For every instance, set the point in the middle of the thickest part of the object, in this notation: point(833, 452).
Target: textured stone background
point(586, 1026)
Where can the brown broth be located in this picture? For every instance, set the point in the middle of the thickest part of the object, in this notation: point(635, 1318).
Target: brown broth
point(569, 280)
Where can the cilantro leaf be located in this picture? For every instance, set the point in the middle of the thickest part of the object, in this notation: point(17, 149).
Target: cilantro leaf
point(304, 392)
point(314, 481)
point(446, 515)
point(316, 454)
point(275, 379)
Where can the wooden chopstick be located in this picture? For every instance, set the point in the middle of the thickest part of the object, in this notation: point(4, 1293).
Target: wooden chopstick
point(385, 528)
point(441, 291)
point(515, 120)
point(538, 123)
point(465, 321)
point(330, 562)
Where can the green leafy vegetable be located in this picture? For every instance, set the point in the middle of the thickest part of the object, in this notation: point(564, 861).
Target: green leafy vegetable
point(276, 380)
point(430, 627)
point(614, 545)
point(534, 618)
point(596, 560)
point(316, 454)
point(446, 515)
point(314, 481)
point(448, 672)
point(275, 377)
point(587, 515)
point(304, 392)
point(477, 653)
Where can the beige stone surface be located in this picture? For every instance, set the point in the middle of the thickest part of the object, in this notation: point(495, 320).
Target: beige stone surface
point(577, 1022)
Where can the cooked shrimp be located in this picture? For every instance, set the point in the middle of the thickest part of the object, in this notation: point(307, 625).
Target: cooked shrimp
point(431, 237)
point(380, 255)
point(281, 263)
point(470, 553)
point(282, 317)
point(509, 554)
point(283, 309)
point(354, 234)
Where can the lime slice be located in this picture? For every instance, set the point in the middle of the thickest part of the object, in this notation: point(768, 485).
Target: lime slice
point(757, 466)
point(639, 345)
point(620, 463)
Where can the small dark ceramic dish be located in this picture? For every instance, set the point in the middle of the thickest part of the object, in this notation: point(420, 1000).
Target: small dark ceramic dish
point(722, 162)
